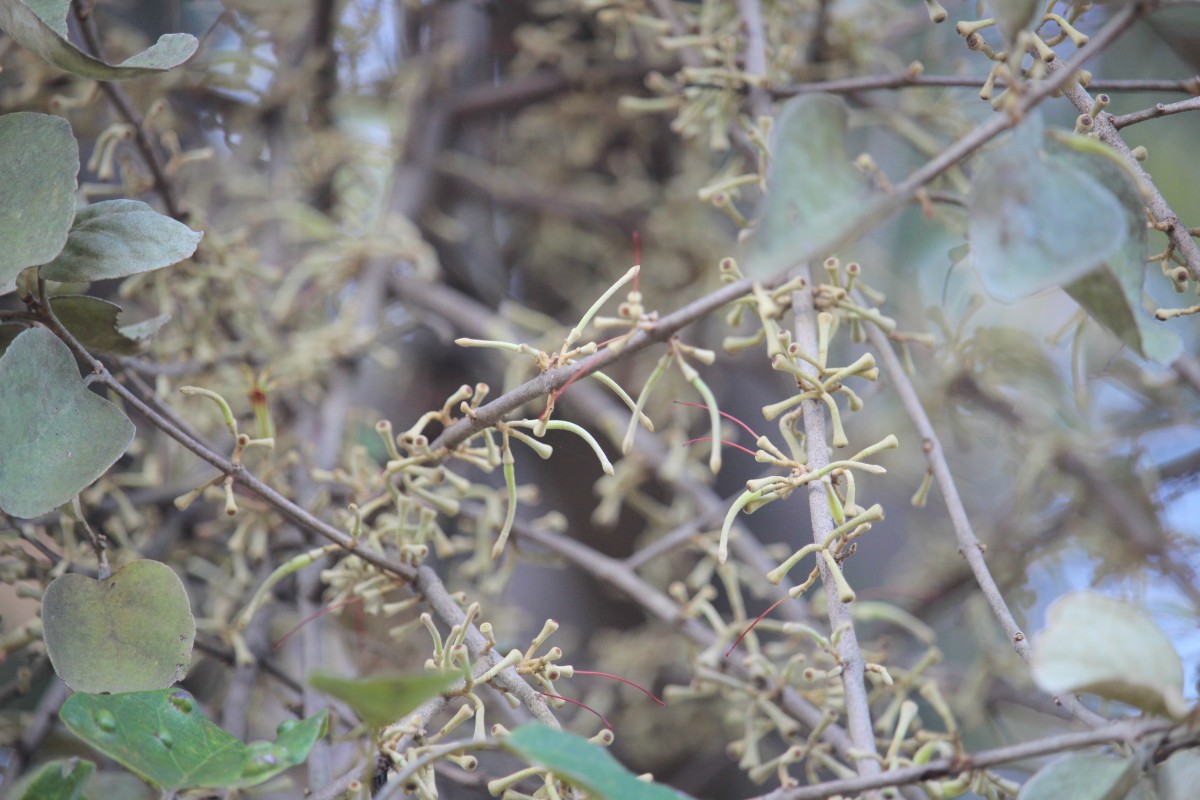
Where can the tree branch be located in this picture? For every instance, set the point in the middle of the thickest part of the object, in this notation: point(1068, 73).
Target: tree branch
point(968, 543)
point(841, 621)
point(1125, 731)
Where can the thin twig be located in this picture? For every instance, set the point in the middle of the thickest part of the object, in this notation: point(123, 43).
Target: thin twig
point(1125, 731)
point(906, 80)
point(424, 580)
point(756, 55)
point(968, 543)
point(1155, 111)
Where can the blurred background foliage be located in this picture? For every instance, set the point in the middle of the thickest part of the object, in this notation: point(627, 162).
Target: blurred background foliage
point(378, 177)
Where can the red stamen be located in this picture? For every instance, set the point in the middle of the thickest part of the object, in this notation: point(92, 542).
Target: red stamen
point(581, 705)
point(757, 620)
point(723, 441)
point(622, 680)
point(279, 643)
point(729, 417)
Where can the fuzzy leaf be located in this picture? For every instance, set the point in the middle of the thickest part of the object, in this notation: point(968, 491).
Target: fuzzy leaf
point(813, 188)
point(61, 779)
point(582, 764)
point(1102, 646)
point(94, 323)
point(39, 161)
point(163, 738)
point(1082, 776)
point(131, 632)
point(41, 26)
point(383, 699)
point(1036, 221)
point(56, 437)
point(115, 238)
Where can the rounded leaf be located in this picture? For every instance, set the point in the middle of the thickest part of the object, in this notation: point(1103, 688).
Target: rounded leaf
point(1036, 221)
point(39, 161)
point(1102, 646)
point(56, 437)
point(1082, 776)
point(814, 191)
point(130, 632)
point(115, 238)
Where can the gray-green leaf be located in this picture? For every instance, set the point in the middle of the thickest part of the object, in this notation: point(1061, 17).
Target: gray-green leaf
point(1082, 776)
point(1178, 776)
point(39, 160)
point(41, 26)
point(1095, 644)
point(1037, 221)
point(814, 192)
point(130, 632)
point(1112, 294)
point(56, 437)
point(115, 238)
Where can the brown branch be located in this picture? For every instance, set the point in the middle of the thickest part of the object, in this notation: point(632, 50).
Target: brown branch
point(1155, 111)
point(907, 80)
point(423, 580)
point(968, 543)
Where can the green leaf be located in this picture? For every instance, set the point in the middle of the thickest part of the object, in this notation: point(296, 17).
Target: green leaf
point(1178, 776)
point(94, 323)
point(128, 633)
point(56, 437)
point(1082, 776)
point(39, 161)
point(164, 739)
point(813, 188)
point(61, 779)
point(1095, 644)
point(383, 699)
point(1036, 221)
point(582, 764)
point(115, 238)
point(41, 26)
point(1112, 294)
